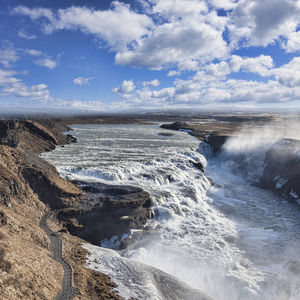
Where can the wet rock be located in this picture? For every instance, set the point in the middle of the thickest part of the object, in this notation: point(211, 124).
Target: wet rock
point(216, 141)
point(177, 126)
point(170, 178)
point(112, 212)
point(138, 239)
point(90, 189)
point(166, 134)
point(197, 165)
point(71, 139)
point(281, 171)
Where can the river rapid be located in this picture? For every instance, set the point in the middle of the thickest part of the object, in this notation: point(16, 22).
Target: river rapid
point(215, 231)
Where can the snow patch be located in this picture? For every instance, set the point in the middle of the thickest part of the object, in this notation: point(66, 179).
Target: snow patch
point(136, 280)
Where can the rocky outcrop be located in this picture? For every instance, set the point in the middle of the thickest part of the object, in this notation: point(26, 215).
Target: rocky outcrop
point(211, 137)
point(34, 135)
point(110, 211)
point(281, 170)
point(29, 187)
point(22, 172)
point(10, 133)
point(216, 141)
point(166, 134)
point(197, 165)
point(3, 218)
point(178, 126)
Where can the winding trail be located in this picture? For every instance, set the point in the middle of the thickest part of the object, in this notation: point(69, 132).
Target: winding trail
point(68, 290)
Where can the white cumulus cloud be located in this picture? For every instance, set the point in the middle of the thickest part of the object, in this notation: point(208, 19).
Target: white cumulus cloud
point(34, 52)
point(126, 87)
point(117, 26)
point(22, 34)
point(262, 22)
point(187, 37)
point(179, 8)
point(260, 65)
point(292, 43)
point(16, 87)
point(173, 43)
point(8, 55)
point(173, 73)
point(46, 62)
point(82, 80)
point(288, 74)
point(154, 82)
point(223, 4)
point(212, 86)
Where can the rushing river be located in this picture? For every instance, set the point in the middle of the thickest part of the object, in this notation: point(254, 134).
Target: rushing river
point(228, 239)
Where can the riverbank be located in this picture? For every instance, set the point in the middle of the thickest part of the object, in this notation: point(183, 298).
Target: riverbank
point(29, 188)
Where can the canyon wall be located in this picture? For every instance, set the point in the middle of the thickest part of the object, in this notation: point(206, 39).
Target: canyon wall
point(29, 187)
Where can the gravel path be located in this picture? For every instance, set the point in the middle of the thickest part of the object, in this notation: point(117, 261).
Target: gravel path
point(68, 290)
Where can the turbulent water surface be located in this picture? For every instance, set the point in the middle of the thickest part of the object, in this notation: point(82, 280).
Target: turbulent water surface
point(227, 239)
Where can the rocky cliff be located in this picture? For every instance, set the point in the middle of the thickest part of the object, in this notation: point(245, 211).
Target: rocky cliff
point(108, 212)
point(214, 134)
point(281, 170)
point(29, 187)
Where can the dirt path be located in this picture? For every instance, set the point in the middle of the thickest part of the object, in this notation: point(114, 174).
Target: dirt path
point(68, 290)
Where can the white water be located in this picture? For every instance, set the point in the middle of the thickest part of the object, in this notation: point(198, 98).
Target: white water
point(231, 240)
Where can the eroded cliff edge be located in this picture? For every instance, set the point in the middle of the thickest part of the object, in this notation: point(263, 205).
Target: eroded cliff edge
point(281, 169)
point(30, 187)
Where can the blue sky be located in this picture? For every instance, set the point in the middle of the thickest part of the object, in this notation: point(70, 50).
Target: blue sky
point(112, 56)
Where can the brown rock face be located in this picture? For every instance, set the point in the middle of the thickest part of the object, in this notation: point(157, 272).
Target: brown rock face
point(29, 187)
point(10, 133)
point(3, 218)
point(23, 172)
point(36, 136)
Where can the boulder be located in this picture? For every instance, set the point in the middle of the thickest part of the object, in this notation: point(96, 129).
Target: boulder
point(110, 211)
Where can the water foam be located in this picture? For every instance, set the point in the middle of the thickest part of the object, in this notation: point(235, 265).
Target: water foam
point(215, 242)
